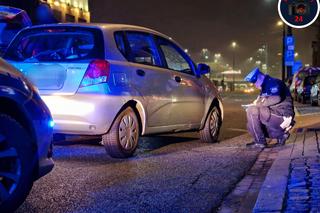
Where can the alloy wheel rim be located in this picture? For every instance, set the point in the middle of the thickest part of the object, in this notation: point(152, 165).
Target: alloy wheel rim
point(10, 169)
point(128, 132)
point(213, 124)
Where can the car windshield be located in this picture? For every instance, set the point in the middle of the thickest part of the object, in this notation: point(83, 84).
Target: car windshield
point(49, 45)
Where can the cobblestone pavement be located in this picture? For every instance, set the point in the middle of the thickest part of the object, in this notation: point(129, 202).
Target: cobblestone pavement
point(292, 184)
point(283, 179)
point(303, 193)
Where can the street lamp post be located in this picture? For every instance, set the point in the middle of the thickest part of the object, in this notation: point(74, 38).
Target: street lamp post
point(280, 23)
point(289, 68)
point(283, 52)
point(234, 45)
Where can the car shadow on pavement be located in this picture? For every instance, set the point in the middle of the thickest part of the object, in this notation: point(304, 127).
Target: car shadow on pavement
point(88, 149)
point(159, 141)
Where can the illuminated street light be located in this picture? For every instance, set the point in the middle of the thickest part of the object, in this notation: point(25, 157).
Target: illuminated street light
point(296, 55)
point(279, 23)
point(206, 57)
point(234, 44)
point(186, 50)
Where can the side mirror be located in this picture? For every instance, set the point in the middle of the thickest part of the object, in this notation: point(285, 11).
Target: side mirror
point(203, 69)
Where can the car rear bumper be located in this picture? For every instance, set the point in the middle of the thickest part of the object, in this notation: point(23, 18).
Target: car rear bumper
point(83, 114)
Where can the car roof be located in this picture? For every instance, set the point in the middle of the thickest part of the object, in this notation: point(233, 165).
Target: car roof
point(104, 27)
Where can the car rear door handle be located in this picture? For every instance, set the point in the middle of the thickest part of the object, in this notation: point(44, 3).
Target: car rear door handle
point(178, 79)
point(141, 73)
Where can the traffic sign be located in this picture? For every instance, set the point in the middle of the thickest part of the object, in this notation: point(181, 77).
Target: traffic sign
point(290, 50)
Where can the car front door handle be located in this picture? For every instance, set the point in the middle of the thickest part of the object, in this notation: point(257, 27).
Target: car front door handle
point(141, 73)
point(177, 79)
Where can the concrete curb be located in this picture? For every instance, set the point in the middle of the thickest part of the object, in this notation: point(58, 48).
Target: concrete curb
point(273, 191)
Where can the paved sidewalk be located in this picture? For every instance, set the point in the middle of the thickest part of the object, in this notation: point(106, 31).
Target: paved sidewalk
point(293, 182)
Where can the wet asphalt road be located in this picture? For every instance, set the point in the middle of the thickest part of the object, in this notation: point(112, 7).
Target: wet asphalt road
point(169, 173)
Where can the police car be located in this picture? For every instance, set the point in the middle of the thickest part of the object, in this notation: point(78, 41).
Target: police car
point(12, 20)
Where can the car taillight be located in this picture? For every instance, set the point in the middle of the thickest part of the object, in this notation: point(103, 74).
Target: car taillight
point(97, 72)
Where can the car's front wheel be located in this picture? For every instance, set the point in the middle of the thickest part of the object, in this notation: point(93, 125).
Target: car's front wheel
point(122, 139)
point(210, 132)
point(17, 163)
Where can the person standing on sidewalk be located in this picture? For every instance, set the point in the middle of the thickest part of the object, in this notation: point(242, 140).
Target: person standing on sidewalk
point(271, 115)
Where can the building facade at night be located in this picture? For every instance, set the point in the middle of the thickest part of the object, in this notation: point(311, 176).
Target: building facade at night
point(69, 10)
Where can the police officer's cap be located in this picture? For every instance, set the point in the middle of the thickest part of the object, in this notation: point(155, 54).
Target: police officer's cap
point(252, 77)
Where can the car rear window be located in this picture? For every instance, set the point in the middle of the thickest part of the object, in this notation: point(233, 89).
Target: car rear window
point(56, 44)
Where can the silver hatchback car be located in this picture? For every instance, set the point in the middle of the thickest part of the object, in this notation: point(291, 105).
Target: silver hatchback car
point(117, 81)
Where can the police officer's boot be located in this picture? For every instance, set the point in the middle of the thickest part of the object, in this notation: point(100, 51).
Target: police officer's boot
point(255, 145)
point(282, 141)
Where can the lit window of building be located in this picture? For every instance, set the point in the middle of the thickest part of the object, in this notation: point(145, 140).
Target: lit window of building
point(70, 10)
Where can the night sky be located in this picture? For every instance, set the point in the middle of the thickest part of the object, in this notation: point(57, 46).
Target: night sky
point(208, 24)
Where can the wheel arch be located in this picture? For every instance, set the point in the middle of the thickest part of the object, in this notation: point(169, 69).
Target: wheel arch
point(140, 113)
point(215, 103)
point(14, 110)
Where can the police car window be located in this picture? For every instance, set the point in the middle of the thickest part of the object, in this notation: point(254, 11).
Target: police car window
point(174, 59)
point(143, 49)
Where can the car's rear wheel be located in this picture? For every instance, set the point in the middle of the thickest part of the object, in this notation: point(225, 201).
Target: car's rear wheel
point(17, 163)
point(210, 132)
point(122, 139)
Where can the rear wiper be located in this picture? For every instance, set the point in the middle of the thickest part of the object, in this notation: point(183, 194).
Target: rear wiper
point(34, 57)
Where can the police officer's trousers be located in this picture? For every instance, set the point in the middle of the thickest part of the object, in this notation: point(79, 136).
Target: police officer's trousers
point(262, 124)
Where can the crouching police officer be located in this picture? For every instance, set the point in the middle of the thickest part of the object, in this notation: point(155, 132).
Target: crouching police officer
point(271, 115)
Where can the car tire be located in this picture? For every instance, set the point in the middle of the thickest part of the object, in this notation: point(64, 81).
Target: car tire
point(211, 130)
point(17, 164)
point(122, 139)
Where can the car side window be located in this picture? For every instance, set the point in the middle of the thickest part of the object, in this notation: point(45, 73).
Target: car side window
point(143, 49)
point(120, 41)
point(174, 57)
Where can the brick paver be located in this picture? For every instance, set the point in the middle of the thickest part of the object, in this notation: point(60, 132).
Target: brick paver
point(293, 182)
